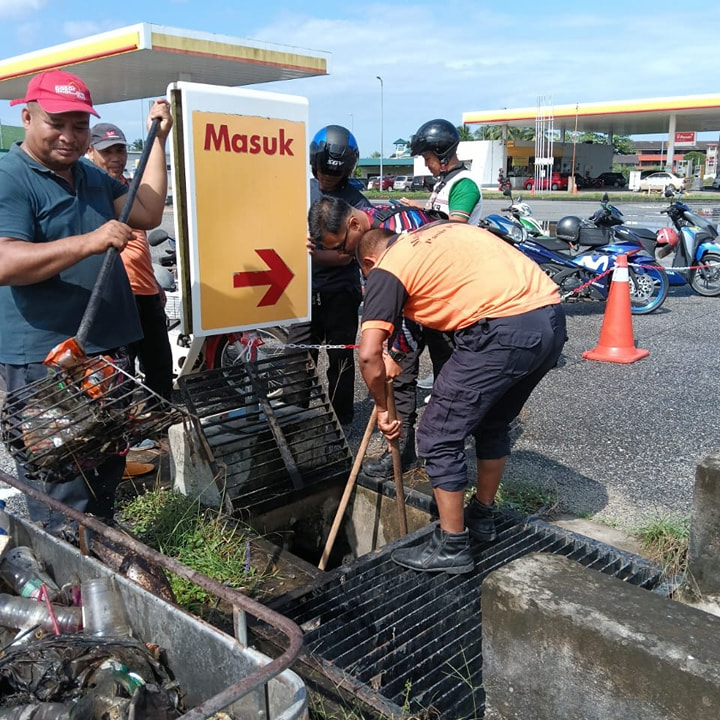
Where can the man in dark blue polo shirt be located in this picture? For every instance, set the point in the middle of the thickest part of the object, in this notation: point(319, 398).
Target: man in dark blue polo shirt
point(57, 218)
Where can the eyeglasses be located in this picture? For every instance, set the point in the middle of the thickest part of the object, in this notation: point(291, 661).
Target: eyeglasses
point(341, 247)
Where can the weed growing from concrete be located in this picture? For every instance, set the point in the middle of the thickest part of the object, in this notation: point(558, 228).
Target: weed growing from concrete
point(665, 540)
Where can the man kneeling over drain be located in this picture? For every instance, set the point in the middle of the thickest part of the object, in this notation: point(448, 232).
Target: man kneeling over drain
point(509, 331)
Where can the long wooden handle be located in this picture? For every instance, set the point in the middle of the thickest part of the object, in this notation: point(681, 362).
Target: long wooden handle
point(111, 253)
point(354, 472)
point(397, 462)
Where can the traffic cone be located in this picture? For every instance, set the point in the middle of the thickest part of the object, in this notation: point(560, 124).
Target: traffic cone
point(617, 343)
point(574, 187)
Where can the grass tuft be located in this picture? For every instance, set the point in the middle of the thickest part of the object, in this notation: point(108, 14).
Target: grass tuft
point(666, 540)
point(199, 537)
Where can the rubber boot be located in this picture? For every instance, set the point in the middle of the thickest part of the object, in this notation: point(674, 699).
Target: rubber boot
point(382, 467)
point(444, 552)
point(480, 520)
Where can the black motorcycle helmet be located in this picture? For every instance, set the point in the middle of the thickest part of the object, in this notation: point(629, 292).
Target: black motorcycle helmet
point(437, 136)
point(334, 151)
point(568, 228)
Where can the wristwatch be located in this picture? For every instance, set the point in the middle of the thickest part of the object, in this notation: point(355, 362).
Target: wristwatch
point(396, 355)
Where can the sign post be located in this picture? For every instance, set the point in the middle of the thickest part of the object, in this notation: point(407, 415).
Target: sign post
point(240, 166)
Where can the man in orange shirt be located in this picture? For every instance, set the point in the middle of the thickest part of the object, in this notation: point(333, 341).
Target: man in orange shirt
point(108, 150)
point(509, 331)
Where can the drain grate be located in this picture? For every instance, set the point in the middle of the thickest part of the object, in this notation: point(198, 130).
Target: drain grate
point(388, 635)
point(270, 429)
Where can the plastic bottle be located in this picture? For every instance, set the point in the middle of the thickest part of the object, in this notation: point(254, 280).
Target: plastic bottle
point(22, 613)
point(20, 569)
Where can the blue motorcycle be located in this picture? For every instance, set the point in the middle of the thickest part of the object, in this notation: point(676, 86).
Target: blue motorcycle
point(581, 257)
point(610, 216)
point(694, 240)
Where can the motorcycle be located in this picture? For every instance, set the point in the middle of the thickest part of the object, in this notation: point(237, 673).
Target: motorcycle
point(610, 216)
point(193, 353)
point(581, 263)
point(694, 242)
point(522, 213)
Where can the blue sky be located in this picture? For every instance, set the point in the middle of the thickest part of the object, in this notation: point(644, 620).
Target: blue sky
point(437, 59)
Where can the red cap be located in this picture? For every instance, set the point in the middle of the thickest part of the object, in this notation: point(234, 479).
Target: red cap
point(58, 91)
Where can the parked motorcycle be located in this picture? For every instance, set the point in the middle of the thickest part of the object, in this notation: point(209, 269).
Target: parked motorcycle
point(610, 216)
point(694, 242)
point(522, 213)
point(581, 257)
point(192, 353)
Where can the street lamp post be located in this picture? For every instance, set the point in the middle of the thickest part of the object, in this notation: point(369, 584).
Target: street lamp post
point(381, 131)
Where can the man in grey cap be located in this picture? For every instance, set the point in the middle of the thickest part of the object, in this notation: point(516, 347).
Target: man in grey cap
point(108, 150)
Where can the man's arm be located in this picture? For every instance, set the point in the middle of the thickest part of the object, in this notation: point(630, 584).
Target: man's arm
point(464, 195)
point(147, 210)
point(25, 263)
point(372, 368)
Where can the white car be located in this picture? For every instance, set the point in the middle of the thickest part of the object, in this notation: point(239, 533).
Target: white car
point(661, 180)
point(403, 182)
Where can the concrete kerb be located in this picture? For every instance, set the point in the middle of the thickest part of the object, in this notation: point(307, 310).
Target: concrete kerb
point(562, 642)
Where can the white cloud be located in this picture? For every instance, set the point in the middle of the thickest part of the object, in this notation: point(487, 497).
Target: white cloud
point(11, 9)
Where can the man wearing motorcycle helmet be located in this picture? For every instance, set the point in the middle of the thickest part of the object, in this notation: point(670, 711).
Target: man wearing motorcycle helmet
point(336, 289)
point(456, 193)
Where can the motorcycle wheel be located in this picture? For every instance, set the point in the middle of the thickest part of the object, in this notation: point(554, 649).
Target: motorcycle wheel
point(273, 341)
point(649, 287)
point(706, 282)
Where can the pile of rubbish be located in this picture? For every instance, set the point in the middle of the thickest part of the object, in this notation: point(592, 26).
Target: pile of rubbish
point(67, 653)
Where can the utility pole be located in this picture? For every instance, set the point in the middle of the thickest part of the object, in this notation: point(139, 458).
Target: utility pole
point(381, 131)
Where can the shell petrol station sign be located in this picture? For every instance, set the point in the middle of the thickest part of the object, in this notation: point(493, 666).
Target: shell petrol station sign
point(241, 193)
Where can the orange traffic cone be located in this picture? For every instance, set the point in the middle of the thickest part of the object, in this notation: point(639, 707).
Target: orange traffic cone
point(574, 187)
point(617, 343)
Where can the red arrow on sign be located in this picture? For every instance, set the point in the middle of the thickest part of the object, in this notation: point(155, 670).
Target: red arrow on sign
point(277, 276)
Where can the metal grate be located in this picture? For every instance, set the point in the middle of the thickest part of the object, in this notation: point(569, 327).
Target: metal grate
point(388, 634)
point(270, 429)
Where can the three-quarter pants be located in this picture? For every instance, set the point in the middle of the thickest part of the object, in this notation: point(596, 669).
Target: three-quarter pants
point(494, 367)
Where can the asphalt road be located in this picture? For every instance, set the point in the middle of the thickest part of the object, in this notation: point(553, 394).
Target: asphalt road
point(617, 442)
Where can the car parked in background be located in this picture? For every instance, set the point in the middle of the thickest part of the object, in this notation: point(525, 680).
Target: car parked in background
point(661, 180)
point(423, 182)
point(402, 182)
point(610, 179)
point(556, 181)
point(387, 183)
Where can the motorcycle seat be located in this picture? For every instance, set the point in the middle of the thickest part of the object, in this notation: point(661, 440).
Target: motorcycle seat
point(593, 236)
point(553, 244)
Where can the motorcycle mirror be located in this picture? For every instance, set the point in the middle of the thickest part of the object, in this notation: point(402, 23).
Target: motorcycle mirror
point(507, 192)
point(157, 237)
point(605, 199)
point(668, 191)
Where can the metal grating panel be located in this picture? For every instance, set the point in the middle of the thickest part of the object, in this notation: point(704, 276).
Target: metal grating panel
point(387, 634)
point(270, 429)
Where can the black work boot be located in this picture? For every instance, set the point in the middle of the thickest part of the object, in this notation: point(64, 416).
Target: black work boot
point(480, 520)
point(382, 467)
point(444, 552)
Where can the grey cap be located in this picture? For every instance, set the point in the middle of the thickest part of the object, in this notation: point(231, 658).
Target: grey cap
point(104, 135)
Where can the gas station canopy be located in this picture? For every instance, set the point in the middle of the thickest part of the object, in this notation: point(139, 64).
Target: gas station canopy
point(140, 61)
point(698, 113)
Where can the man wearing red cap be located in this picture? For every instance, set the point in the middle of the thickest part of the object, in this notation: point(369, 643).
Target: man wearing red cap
point(57, 218)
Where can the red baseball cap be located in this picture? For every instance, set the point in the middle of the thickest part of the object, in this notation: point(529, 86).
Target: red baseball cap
point(58, 91)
